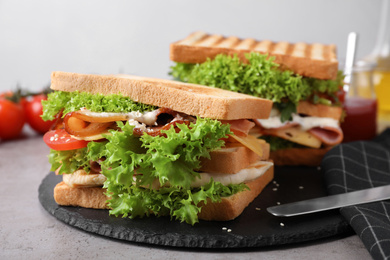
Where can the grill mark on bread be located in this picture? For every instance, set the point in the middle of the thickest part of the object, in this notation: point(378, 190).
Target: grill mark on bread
point(245, 44)
point(310, 60)
point(280, 48)
point(263, 46)
point(193, 38)
point(290, 49)
point(229, 42)
point(307, 51)
point(211, 41)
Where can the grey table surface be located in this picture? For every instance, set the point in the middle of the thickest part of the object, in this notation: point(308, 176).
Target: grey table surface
point(27, 231)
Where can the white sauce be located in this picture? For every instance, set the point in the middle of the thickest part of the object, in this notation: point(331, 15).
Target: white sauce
point(147, 117)
point(81, 178)
point(252, 172)
point(306, 123)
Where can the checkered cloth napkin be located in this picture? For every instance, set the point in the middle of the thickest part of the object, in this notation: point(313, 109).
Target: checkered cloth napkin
point(362, 165)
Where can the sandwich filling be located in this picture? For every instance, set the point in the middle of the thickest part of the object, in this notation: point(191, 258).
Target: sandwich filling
point(293, 123)
point(148, 159)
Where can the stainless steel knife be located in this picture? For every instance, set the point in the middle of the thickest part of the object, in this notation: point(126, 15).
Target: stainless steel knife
point(331, 202)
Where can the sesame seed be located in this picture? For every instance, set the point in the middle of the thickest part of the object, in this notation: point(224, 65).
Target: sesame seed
point(224, 228)
point(301, 187)
point(52, 138)
point(282, 224)
point(277, 184)
point(278, 203)
point(275, 189)
point(258, 208)
point(274, 182)
point(229, 230)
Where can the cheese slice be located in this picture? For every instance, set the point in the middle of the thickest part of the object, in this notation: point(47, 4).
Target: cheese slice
point(92, 137)
point(251, 142)
point(297, 135)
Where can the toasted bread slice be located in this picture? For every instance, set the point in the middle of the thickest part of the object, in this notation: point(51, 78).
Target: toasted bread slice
point(232, 159)
point(309, 60)
point(229, 208)
point(88, 197)
point(319, 110)
point(191, 99)
point(299, 156)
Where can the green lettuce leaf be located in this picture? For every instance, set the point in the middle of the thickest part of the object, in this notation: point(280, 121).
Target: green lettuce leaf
point(69, 161)
point(73, 101)
point(180, 204)
point(133, 163)
point(260, 77)
point(277, 143)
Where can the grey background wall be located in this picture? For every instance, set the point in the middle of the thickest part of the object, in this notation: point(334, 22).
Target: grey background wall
point(117, 36)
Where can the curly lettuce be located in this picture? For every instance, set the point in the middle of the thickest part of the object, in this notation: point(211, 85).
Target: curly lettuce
point(69, 161)
point(132, 165)
point(181, 204)
point(73, 101)
point(260, 77)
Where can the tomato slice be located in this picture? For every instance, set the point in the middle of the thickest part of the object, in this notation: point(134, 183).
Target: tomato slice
point(60, 140)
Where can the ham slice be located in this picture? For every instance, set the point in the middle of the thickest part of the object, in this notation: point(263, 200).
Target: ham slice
point(240, 127)
point(328, 135)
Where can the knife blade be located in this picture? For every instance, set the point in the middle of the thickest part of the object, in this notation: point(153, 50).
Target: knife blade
point(331, 202)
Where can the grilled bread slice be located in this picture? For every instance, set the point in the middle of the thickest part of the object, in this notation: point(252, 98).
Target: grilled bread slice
point(309, 60)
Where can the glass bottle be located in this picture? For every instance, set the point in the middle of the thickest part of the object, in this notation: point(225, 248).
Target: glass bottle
point(379, 59)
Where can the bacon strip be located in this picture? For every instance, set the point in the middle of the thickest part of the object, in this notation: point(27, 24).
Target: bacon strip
point(156, 130)
point(328, 135)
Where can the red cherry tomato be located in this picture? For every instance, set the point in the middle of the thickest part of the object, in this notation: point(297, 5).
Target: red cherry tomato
point(60, 140)
point(12, 119)
point(33, 112)
point(341, 96)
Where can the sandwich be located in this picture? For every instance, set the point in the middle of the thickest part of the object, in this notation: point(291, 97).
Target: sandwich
point(141, 146)
point(301, 79)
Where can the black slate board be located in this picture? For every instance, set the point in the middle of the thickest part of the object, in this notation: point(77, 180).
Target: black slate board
point(254, 228)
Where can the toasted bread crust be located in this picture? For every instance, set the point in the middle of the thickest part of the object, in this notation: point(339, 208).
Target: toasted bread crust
point(310, 60)
point(231, 160)
point(299, 156)
point(191, 99)
point(319, 110)
point(229, 208)
point(90, 197)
